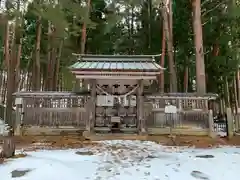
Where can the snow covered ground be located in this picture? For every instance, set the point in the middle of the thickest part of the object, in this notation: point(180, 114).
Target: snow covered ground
point(125, 160)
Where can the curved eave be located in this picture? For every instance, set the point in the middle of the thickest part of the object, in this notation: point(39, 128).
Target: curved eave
point(116, 66)
point(114, 70)
point(117, 77)
point(99, 56)
point(118, 73)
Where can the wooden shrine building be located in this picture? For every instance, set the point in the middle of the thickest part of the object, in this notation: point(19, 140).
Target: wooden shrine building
point(113, 99)
point(116, 84)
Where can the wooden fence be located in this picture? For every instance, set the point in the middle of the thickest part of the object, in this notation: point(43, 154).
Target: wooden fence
point(192, 118)
point(54, 112)
point(41, 111)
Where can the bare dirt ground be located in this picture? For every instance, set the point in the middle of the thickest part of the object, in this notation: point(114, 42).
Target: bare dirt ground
point(56, 142)
point(32, 143)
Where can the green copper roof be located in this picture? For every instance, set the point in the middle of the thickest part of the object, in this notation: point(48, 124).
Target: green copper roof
point(116, 62)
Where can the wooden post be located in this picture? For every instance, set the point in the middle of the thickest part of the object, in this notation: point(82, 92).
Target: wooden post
point(88, 115)
point(229, 123)
point(88, 107)
point(92, 108)
point(17, 131)
point(206, 104)
point(238, 86)
point(8, 147)
point(212, 134)
point(236, 119)
point(140, 107)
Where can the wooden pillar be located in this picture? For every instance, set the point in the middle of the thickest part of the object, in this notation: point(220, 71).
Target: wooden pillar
point(18, 117)
point(229, 123)
point(212, 134)
point(140, 109)
point(6, 136)
point(238, 86)
point(8, 147)
point(92, 107)
point(94, 102)
point(17, 131)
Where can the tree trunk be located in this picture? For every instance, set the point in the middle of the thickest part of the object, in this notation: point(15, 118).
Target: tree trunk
point(83, 43)
point(18, 41)
point(8, 147)
point(53, 69)
point(128, 25)
point(161, 80)
point(226, 92)
point(4, 87)
point(17, 69)
point(83, 38)
point(198, 40)
point(172, 70)
point(1, 82)
point(57, 68)
point(36, 64)
point(170, 19)
point(49, 58)
point(149, 25)
point(29, 81)
point(6, 44)
point(238, 86)
point(25, 74)
point(235, 92)
point(84, 30)
point(10, 77)
point(186, 74)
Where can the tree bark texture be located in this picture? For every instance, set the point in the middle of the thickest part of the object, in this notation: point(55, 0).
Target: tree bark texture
point(161, 78)
point(172, 70)
point(8, 148)
point(37, 69)
point(198, 40)
point(10, 76)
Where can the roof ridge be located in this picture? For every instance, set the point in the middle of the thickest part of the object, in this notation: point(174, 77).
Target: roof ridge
point(115, 60)
point(117, 55)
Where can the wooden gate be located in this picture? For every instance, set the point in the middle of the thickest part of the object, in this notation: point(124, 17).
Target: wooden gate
point(44, 112)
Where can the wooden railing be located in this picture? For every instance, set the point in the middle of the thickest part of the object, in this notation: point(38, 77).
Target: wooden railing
point(192, 111)
point(53, 110)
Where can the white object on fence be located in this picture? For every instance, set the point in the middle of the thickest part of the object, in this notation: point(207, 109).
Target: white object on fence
point(170, 115)
point(4, 128)
point(170, 109)
point(18, 101)
point(103, 100)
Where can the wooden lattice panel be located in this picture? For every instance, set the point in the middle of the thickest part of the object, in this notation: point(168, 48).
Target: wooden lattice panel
point(110, 111)
point(131, 111)
point(100, 121)
point(129, 121)
point(122, 111)
point(189, 104)
point(100, 111)
point(54, 111)
point(182, 103)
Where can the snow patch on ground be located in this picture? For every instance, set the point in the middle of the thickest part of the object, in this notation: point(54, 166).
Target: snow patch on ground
point(126, 160)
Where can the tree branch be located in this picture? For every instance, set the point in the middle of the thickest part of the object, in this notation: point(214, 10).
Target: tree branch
point(215, 7)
